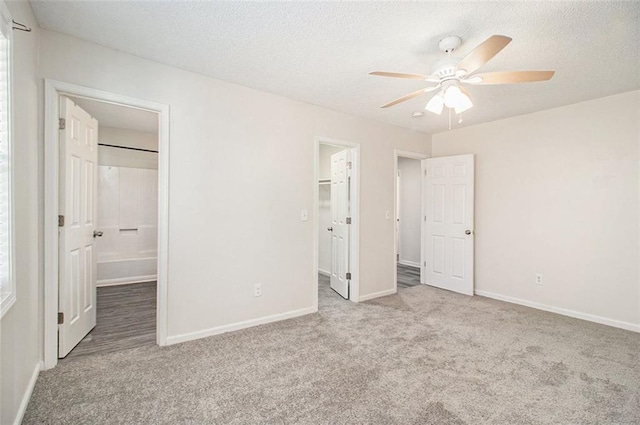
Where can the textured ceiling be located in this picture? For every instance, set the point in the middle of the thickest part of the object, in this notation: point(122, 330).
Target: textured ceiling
point(117, 116)
point(320, 53)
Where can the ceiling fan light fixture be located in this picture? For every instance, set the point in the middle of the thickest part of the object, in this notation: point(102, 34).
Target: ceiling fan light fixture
point(435, 104)
point(457, 99)
point(463, 106)
point(464, 102)
point(451, 96)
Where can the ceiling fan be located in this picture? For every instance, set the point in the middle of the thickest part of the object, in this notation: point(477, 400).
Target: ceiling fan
point(451, 73)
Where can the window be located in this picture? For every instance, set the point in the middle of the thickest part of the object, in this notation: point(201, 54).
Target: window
point(7, 277)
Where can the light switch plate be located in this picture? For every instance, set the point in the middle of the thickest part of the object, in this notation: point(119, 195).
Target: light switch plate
point(387, 215)
point(304, 215)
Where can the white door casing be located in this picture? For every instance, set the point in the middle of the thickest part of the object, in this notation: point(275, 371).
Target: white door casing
point(78, 204)
point(449, 234)
point(340, 170)
point(397, 223)
point(52, 91)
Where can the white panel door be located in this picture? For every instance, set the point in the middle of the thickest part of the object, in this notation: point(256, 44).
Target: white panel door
point(79, 205)
point(448, 203)
point(340, 167)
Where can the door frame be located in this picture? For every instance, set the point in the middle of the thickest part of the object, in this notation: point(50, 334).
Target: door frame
point(397, 153)
point(398, 213)
point(354, 234)
point(53, 90)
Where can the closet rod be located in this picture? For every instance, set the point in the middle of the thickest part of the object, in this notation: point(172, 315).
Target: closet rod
point(126, 147)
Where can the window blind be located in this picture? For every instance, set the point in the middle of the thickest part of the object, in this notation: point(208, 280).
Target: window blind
point(7, 285)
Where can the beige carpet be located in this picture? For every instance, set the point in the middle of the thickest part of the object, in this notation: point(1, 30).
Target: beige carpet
point(424, 356)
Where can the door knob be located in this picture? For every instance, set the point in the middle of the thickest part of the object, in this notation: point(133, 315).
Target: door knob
point(97, 234)
point(330, 229)
point(467, 232)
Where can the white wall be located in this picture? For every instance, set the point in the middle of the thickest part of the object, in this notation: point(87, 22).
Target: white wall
point(20, 333)
point(126, 157)
point(324, 207)
point(129, 138)
point(410, 199)
point(127, 200)
point(557, 194)
point(241, 170)
point(128, 218)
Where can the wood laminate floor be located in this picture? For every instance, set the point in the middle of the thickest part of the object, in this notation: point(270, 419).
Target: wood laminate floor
point(408, 276)
point(126, 318)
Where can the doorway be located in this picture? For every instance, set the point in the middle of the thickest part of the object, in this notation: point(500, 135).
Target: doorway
point(408, 253)
point(107, 281)
point(68, 172)
point(448, 233)
point(336, 220)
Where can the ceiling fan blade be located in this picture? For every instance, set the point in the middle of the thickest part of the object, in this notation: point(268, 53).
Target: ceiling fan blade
point(399, 75)
point(409, 96)
point(512, 77)
point(483, 53)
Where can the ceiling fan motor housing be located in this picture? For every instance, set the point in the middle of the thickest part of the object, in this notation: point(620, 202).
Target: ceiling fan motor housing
point(446, 68)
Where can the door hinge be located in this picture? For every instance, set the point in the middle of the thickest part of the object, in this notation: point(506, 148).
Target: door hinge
point(60, 318)
point(62, 123)
point(349, 164)
point(348, 220)
point(348, 276)
point(60, 221)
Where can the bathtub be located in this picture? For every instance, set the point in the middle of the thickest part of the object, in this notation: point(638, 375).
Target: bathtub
point(120, 272)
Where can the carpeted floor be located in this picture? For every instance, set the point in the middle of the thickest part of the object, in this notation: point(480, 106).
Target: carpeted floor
point(423, 356)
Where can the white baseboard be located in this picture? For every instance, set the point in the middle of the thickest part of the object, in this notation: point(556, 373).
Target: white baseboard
point(409, 263)
point(175, 339)
point(127, 280)
point(27, 394)
point(324, 272)
point(376, 295)
point(563, 311)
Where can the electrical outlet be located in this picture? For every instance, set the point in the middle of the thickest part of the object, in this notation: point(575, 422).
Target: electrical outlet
point(538, 279)
point(304, 215)
point(257, 290)
point(387, 215)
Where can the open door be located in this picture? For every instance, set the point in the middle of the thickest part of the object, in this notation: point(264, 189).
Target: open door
point(78, 215)
point(340, 220)
point(448, 236)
